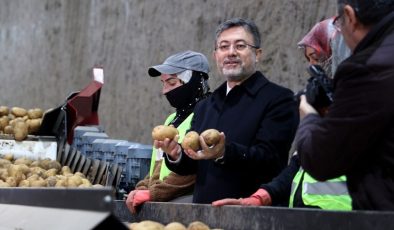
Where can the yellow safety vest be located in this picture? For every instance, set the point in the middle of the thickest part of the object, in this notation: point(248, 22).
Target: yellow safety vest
point(329, 195)
point(182, 128)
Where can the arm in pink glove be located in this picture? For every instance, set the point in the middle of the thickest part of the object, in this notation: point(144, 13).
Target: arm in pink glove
point(260, 198)
point(136, 198)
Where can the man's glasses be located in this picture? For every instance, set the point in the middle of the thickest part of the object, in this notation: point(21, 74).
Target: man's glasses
point(239, 46)
point(337, 23)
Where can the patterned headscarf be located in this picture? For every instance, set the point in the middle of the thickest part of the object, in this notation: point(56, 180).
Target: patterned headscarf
point(319, 38)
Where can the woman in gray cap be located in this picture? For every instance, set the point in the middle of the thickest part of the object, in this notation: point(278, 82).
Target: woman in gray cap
point(185, 82)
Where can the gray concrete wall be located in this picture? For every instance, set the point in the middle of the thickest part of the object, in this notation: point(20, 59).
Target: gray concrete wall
point(47, 49)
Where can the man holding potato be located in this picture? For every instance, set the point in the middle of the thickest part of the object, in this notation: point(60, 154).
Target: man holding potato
point(257, 120)
point(184, 76)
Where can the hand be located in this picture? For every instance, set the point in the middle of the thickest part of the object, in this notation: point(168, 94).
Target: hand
point(305, 108)
point(208, 152)
point(136, 198)
point(260, 198)
point(170, 147)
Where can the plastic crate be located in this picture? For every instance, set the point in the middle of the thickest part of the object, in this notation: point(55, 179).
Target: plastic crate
point(121, 151)
point(138, 163)
point(109, 149)
point(96, 152)
point(79, 131)
point(87, 141)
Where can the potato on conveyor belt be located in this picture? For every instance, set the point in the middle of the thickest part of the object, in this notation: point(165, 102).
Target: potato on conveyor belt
point(23, 172)
point(18, 111)
point(4, 111)
point(35, 113)
point(20, 131)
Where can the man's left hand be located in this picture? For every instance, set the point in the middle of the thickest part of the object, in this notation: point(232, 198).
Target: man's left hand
point(208, 152)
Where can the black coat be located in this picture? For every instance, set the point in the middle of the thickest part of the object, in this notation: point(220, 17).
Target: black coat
point(356, 137)
point(259, 120)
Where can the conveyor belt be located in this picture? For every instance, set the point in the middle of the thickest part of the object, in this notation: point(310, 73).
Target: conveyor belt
point(258, 218)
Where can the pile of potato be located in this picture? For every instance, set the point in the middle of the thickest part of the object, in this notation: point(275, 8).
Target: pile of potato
point(20, 122)
point(152, 225)
point(23, 172)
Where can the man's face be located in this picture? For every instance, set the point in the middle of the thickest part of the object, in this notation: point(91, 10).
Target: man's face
point(235, 57)
point(170, 82)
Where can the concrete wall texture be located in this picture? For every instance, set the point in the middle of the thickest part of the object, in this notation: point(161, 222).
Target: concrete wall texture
point(48, 47)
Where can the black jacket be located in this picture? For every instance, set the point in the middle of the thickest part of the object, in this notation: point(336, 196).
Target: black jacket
point(259, 119)
point(356, 137)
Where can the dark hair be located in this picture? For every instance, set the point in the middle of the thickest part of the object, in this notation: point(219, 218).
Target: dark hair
point(248, 25)
point(369, 12)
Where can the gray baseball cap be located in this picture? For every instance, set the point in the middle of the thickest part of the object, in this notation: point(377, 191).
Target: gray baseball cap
point(186, 60)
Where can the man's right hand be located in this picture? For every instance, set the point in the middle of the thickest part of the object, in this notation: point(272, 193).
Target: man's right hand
point(170, 147)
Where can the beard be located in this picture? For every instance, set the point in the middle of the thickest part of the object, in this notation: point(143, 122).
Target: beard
point(237, 73)
point(234, 74)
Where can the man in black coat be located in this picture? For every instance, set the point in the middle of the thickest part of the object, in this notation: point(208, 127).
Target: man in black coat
point(356, 137)
point(257, 120)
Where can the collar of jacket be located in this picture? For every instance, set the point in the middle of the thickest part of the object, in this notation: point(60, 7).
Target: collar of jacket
point(376, 33)
point(251, 85)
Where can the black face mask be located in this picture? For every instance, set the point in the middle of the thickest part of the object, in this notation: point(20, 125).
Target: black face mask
point(186, 95)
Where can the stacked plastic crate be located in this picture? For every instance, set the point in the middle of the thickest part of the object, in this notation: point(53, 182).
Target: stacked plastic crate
point(138, 163)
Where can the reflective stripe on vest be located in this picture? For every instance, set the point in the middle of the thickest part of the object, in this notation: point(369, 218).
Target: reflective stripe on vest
point(182, 128)
point(329, 195)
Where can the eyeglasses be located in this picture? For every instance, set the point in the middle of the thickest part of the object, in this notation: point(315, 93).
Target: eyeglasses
point(337, 23)
point(239, 46)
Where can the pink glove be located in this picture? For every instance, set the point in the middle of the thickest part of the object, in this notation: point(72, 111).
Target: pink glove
point(136, 198)
point(259, 198)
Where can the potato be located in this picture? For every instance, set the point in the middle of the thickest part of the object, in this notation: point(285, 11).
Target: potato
point(84, 186)
point(18, 112)
point(4, 121)
point(34, 125)
point(148, 225)
point(8, 129)
point(11, 181)
point(162, 132)
point(97, 186)
point(191, 141)
point(4, 184)
point(61, 183)
point(4, 163)
point(38, 183)
point(35, 113)
point(24, 183)
point(211, 136)
point(23, 160)
point(51, 181)
point(65, 170)
point(8, 157)
point(86, 182)
point(4, 111)
point(20, 131)
point(50, 172)
point(175, 226)
point(3, 173)
point(197, 225)
point(54, 165)
point(74, 181)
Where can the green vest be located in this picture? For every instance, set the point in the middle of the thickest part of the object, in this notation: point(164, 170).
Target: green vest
point(329, 195)
point(182, 128)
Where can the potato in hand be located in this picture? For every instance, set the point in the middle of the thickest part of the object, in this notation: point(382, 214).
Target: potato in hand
point(162, 132)
point(211, 136)
point(191, 141)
